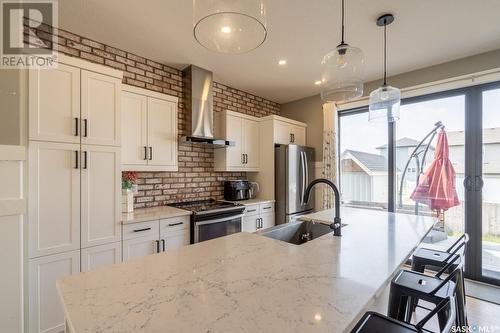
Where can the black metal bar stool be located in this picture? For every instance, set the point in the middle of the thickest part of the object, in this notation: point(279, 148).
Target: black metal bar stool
point(423, 258)
point(373, 322)
point(408, 285)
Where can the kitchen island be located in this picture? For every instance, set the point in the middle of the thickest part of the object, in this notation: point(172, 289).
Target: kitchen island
point(248, 283)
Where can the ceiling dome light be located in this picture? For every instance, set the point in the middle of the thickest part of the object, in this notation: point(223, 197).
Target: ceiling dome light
point(342, 76)
point(385, 101)
point(230, 26)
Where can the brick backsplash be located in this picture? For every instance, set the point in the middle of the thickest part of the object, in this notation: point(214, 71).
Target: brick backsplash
point(196, 178)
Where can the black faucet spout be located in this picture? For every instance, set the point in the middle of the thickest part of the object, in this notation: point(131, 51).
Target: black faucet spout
point(337, 224)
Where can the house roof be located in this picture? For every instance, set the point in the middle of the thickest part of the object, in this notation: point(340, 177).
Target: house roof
point(403, 142)
point(372, 162)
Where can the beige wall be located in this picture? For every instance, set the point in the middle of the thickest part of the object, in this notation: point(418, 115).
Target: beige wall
point(309, 109)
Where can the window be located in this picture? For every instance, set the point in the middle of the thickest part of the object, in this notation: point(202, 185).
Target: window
point(363, 162)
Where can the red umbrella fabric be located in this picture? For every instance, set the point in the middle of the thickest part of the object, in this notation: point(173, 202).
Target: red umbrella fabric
point(436, 186)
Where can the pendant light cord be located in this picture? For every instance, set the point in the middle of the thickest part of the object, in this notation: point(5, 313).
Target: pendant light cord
point(385, 53)
point(342, 42)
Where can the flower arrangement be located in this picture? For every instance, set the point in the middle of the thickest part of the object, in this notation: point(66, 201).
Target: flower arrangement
point(129, 179)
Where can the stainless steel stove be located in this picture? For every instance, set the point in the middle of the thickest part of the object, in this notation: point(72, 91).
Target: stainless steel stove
point(212, 218)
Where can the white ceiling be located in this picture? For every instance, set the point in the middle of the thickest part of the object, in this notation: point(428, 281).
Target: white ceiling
point(425, 33)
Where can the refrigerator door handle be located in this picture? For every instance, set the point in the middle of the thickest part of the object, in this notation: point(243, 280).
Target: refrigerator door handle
point(306, 171)
point(302, 175)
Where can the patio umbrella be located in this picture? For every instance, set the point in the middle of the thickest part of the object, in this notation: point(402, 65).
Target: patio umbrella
point(436, 187)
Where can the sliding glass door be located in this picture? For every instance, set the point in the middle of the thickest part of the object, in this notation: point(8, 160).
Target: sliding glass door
point(471, 118)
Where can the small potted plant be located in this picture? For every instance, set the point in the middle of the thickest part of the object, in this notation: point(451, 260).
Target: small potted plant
point(129, 186)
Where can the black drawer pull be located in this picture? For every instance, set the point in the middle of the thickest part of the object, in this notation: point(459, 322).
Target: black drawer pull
point(174, 224)
point(267, 207)
point(251, 210)
point(145, 229)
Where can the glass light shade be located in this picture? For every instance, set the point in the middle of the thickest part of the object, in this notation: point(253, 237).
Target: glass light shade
point(384, 104)
point(342, 77)
point(230, 26)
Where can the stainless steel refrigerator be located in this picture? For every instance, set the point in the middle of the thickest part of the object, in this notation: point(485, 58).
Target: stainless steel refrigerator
point(294, 169)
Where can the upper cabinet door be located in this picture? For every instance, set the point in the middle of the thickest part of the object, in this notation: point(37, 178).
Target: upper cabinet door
point(134, 129)
point(100, 198)
point(234, 132)
point(162, 134)
point(54, 104)
point(298, 134)
point(54, 192)
point(101, 99)
point(282, 133)
point(251, 143)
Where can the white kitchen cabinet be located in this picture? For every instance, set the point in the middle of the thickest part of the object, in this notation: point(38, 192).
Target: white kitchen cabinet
point(286, 133)
point(243, 130)
point(162, 133)
point(54, 104)
point(45, 308)
point(100, 195)
point(140, 247)
point(54, 192)
point(134, 129)
point(101, 256)
point(267, 220)
point(258, 216)
point(149, 131)
point(175, 239)
point(100, 103)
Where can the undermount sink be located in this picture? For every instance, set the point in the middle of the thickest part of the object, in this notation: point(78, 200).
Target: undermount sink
point(298, 232)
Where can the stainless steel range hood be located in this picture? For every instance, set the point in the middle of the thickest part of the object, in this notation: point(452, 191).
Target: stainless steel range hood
point(198, 101)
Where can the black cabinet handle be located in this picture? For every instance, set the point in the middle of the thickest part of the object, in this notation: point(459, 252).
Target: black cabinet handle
point(85, 160)
point(77, 153)
point(144, 229)
point(267, 207)
point(157, 246)
point(77, 122)
point(163, 244)
point(145, 153)
point(242, 158)
point(86, 123)
point(246, 158)
point(174, 224)
point(257, 223)
point(150, 153)
point(251, 210)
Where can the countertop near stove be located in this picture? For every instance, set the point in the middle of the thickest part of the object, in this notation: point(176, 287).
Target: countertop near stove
point(251, 201)
point(248, 283)
point(153, 213)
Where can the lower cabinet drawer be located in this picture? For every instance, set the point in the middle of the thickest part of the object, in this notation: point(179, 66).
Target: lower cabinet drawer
point(267, 207)
point(252, 210)
point(142, 229)
point(174, 224)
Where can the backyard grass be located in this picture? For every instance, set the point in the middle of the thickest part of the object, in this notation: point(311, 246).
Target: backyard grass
point(486, 238)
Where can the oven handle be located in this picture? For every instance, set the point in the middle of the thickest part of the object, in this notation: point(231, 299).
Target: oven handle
point(227, 218)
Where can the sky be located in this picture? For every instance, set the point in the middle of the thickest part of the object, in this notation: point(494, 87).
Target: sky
point(416, 121)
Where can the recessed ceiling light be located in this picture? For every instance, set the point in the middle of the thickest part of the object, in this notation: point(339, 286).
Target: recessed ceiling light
point(282, 62)
point(226, 29)
point(317, 82)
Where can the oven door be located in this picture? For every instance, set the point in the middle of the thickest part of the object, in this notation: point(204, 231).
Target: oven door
point(217, 227)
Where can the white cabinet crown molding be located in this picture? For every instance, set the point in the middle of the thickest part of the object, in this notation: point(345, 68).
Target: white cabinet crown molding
point(90, 66)
point(149, 93)
point(280, 118)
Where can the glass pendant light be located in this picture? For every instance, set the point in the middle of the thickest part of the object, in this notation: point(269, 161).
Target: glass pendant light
point(386, 100)
point(342, 77)
point(230, 26)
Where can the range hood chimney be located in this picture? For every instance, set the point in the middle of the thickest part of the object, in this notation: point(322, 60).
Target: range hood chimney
point(198, 101)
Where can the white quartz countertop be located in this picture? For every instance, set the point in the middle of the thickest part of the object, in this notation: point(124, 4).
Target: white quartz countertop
point(252, 201)
point(153, 213)
point(248, 283)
